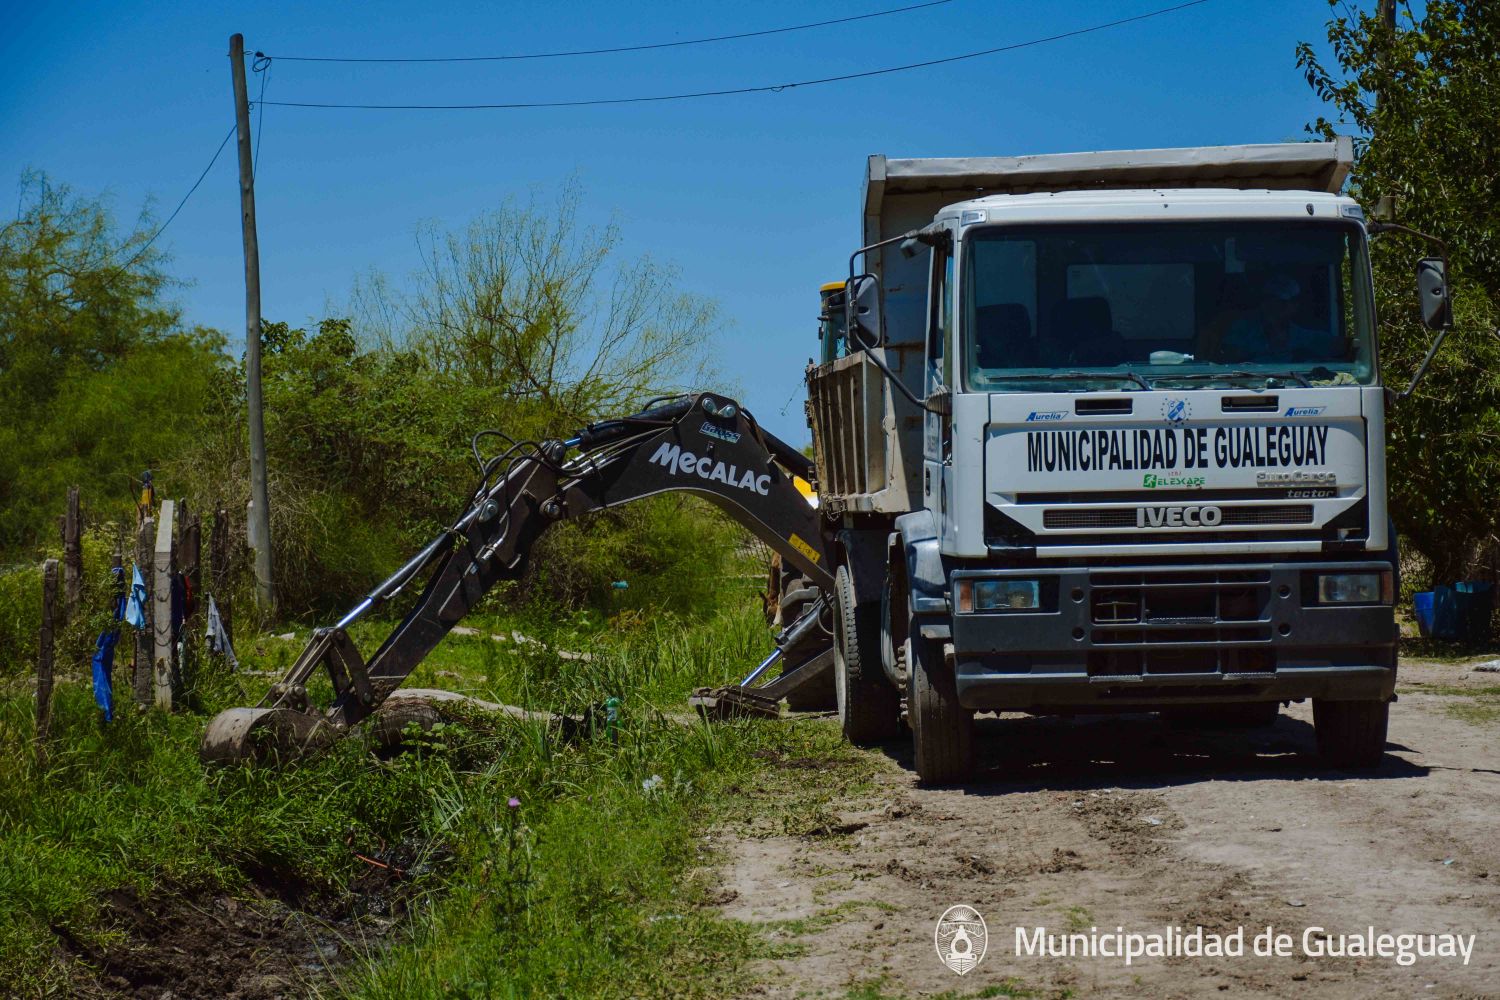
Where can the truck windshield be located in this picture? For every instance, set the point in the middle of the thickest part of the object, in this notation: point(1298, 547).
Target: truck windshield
point(1068, 306)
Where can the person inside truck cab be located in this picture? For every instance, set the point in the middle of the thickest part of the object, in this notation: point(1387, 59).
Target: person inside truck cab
point(1270, 332)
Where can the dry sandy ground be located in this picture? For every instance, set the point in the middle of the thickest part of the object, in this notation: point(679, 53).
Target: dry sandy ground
point(1132, 823)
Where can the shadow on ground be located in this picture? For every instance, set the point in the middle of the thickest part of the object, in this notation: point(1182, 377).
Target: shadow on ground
point(1143, 751)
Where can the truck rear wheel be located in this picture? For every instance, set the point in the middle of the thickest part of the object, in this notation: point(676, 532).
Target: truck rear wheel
point(942, 729)
point(1351, 733)
point(868, 706)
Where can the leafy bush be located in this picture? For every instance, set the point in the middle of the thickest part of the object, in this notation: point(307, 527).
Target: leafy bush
point(98, 379)
point(1423, 100)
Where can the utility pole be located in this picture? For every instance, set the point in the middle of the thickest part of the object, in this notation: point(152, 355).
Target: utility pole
point(1386, 9)
point(259, 521)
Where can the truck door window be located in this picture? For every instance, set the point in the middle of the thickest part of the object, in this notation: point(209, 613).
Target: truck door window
point(1001, 303)
point(940, 324)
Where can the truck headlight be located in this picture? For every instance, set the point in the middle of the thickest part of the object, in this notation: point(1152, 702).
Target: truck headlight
point(999, 595)
point(1355, 588)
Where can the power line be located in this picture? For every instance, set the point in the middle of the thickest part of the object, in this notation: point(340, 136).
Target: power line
point(622, 48)
point(163, 227)
point(768, 88)
point(261, 65)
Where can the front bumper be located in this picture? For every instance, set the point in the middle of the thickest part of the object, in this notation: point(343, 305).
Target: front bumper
point(1156, 636)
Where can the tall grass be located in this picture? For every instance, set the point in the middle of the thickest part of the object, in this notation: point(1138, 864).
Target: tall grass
point(578, 890)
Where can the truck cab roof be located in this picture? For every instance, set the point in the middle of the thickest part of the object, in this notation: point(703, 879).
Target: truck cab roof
point(1151, 205)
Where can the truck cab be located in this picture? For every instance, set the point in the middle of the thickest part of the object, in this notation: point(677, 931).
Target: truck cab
point(1107, 435)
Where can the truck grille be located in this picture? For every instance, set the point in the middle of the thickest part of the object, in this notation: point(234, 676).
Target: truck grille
point(1180, 621)
point(1125, 517)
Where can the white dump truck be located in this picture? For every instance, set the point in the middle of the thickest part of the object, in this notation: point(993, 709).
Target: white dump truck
point(1105, 432)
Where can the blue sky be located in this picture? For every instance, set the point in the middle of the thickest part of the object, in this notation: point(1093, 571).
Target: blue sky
point(755, 198)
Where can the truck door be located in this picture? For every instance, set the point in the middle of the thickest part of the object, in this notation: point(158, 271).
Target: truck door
point(937, 436)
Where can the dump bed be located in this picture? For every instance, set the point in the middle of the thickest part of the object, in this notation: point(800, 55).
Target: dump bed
point(868, 449)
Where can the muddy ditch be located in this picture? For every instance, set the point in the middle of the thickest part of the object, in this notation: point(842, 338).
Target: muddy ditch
point(277, 937)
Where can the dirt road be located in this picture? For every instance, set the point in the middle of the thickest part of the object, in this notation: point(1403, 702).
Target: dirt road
point(1130, 823)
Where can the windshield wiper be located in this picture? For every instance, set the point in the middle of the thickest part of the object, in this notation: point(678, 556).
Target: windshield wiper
point(1124, 376)
point(1263, 376)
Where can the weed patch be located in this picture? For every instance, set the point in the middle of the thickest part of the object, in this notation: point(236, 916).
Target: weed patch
point(495, 858)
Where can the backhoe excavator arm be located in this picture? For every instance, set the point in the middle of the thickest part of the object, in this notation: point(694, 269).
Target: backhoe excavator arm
point(703, 443)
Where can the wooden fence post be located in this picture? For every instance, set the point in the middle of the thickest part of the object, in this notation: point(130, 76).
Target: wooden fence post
point(145, 639)
point(44, 661)
point(164, 655)
point(189, 557)
point(73, 555)
point(190, 551)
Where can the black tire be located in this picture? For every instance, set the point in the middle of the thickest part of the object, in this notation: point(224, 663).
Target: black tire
point(942, 729)
point(1351, 733)
point(1246, 715)
point(868, 705)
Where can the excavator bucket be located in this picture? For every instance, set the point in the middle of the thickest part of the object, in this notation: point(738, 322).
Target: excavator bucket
point(261, 734)
point(738, 700)
point(733, 702)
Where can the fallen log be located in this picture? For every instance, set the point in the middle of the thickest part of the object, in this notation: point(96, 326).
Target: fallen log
point(426, 707)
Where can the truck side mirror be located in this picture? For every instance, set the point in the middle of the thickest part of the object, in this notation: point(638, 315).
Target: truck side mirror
point(862, 306)
point(1437, 311)
point(1432, 290)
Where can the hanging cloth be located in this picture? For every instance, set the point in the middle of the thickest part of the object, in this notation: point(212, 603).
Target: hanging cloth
point(104, 651)
point(147, 503)
point(218, 636)
point(104, 665)
point(135, 604)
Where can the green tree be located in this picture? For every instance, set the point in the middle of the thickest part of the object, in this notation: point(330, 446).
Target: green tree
point(532, 322)
point(524, 321)
point(535, 306)
point(98, 378)
point(1423, 101)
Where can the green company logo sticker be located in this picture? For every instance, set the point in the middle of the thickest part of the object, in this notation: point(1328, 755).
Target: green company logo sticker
point(1152, 481)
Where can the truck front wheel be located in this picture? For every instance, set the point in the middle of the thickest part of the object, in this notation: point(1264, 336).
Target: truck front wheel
point(942, 729)
point(1351, 733)
point(868, 705)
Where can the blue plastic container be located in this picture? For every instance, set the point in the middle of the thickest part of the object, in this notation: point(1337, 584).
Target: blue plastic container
point(1421, 606)
point(1475, 603)
point(1460, 613)
point(1445, 613)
